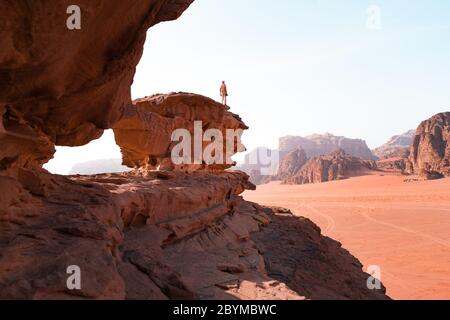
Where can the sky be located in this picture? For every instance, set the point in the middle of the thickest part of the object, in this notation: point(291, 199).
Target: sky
point(356, 68)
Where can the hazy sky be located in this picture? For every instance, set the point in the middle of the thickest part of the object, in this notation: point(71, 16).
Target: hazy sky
point(305, 66)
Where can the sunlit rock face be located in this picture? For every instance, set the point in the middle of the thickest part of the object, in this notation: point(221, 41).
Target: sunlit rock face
point(430, 150)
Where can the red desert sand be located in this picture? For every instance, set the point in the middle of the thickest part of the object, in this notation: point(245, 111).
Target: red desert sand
point(403, 227)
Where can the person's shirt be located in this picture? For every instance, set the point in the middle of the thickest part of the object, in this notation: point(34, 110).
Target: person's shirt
point(223, 90)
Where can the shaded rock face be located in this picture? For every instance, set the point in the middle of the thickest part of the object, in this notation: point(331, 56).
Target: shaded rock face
point(335, 166)
point(291, 164)
point(290, 252)
point(61, 86)
point(430, 150)
point(397, 146)
point(317, 145)
point(144, 133)
point(145, 234)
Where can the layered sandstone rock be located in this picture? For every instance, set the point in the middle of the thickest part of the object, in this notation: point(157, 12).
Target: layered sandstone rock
point(317, 145)
point(430, 150)
point(168, 235)
point(335, 166)
point(144, 133)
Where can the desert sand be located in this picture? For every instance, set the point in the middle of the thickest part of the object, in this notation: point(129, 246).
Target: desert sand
point(402, 227)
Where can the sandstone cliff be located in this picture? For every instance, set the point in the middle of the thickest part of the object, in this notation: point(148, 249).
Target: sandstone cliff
point(430, 150)
point(171, 233)
point(316, 145)
point(335, 166)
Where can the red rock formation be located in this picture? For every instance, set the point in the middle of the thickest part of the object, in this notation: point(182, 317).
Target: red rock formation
point(430, 151)
point(291, 164)
point(317, 145)
point(336, 166)
point(144, 234)
point(61, 86)
point(166, 235)
point(144, 133)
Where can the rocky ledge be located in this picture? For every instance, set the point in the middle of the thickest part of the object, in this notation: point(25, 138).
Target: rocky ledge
point(165, 235)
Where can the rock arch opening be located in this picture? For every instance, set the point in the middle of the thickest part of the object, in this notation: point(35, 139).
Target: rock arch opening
point(98, 156)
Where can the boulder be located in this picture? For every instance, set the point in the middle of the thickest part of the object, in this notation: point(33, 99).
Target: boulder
point(144, 133)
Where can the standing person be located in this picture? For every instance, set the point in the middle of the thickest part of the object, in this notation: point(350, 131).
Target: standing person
point(224, 93)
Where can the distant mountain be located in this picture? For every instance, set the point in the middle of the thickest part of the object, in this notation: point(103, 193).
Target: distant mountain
point(335, 166)
point(291, 164)
point(397, 146)
point(260, 164)
point(323, 144)
point(98, 167)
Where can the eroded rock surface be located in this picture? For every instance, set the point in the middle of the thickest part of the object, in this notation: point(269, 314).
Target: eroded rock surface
point(144, 133)
point(168, 235)
point(335, 166)
point(291, 164)
point(61, 86)
point(430, 150)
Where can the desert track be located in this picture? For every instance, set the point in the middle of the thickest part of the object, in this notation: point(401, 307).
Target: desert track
point(402, 227)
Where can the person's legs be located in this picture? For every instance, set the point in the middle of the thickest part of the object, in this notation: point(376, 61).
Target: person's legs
point(225, 100)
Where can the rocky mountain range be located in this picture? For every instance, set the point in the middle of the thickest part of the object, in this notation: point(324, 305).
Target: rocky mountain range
point(287, 154)
point(424, 152)
point(323, 144)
